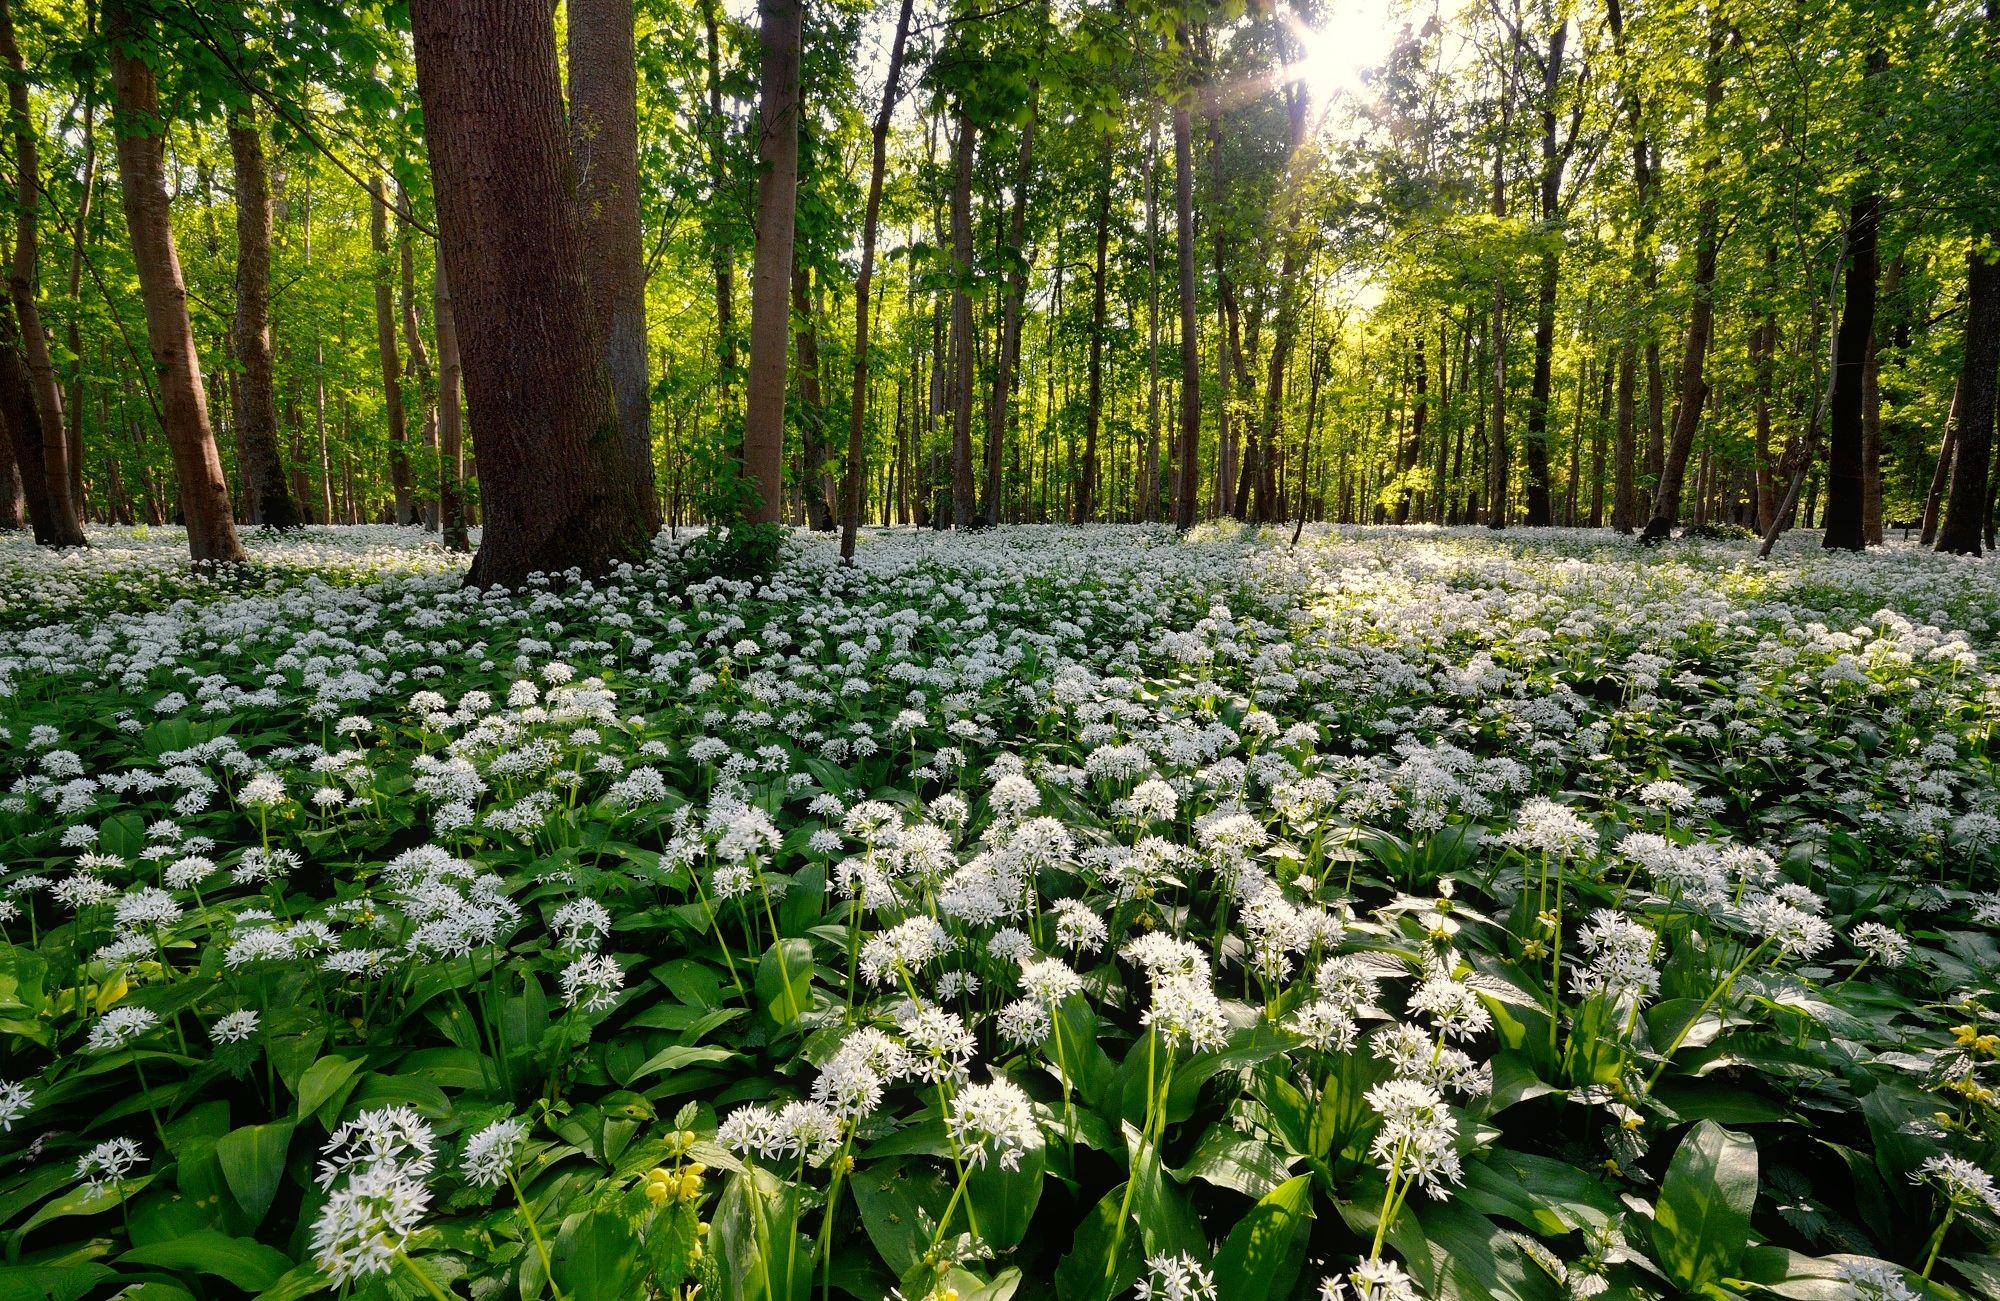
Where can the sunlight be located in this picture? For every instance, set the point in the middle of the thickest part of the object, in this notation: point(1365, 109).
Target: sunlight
point(1351, 38)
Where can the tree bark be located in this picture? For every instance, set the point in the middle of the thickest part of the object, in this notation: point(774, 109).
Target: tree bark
point(1093, 417)
point(1535, 439)
point(850, 515)
point(13, 496)
point(391, 359)
point(604, 134)
point(722, 257)
point(73, 409)
point(204, 491)
point(1149, 488)
point(962, 505)
point(420, 361)
point(814, 489)
point(1010, 318)
point(1978, 395)
point(782, 31)
point(1846, 477)
point(65, 528)
point(450, 420)
point(271, 502)
point(1189, 467)
point(1871, 412)
point(556, 488)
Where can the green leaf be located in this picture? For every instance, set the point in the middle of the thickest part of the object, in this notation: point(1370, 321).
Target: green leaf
point(1472, 1258)
point(680, 1056)
point(253, 1163)
point(1229, 1159)
point(80, 1201)
point(784, 980)
point(1702, 1221)
point(50, 1282)
point(322, 1080)
point(1004, 1200)
point(299, 1281)
point(760, 1254)
point(1262, 1254)
point(1090, 1272)
point(897, 1200)
point(1723, 1103)
point(1547, 1196)
point(598, 1259)
point(243, 1262)
point(1166, 1220)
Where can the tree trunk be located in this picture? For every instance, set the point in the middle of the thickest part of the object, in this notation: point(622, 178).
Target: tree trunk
point(1941, 475)
point(420, 360)
point(1010, 320)
point(864, 285)
point(722, 256)
point(204, 491)
point(1149, 488)
point(73, 409)
point(1086, 491)
point(392, 362)
point(65, 530)
point(813, 488)
point(1871, 413)
point(1189, 477)
point(450, 418)
point(13, 495)
point(1535, 440)
point(1763, 364)
point(604, 135)
point(556, 488)
point(1978, 394)
point(256, 400)
point(782, 31)
point(962, 504)
point(1846, 479)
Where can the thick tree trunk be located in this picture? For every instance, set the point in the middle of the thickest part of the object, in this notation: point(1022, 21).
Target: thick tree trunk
point(1189, 468)
point(1086, 488)
point(24, 433)
point(850, 515)
point(142, 177)
point(604, 135)
point(556, 490)
point(782, 31)
point(391, 359)
point(65, 528)
point(271, 500)
point(451, 419)
point(1846, 479)
point(13, 497)
point(962, 503)
point(1966, 507)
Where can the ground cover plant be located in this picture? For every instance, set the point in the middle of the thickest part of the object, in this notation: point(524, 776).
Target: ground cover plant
point(1031, 913)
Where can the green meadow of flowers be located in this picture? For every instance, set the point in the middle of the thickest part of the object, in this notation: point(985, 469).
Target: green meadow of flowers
point(1039, 913)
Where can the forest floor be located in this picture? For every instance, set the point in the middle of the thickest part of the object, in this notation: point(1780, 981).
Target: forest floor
point(1043, 912)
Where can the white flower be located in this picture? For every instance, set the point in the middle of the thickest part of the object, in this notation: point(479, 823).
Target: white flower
point(1077, 927)
point(234, 1028)
point(1621, 958)
point(365, 1224)
point(1547, 827)
point(1887, 947)
point(1417, 1135)
point(592, 982)
point(146, 907)
point(902, 949)
point(1671, 796)
point(491, 1153)
point(1963, 1184)
point(105, 1165)
point(16, 1100)
point(996, 1116)
point(1178, 1277)
point(1875, 1280)
point(119, 1027)
point(384, 1138)
point(940, 1045)
point(581, 924)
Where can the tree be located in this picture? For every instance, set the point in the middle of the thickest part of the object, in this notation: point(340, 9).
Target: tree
point(604, 133)
point(391, 358)
point(142, 177)
point(271, 501)
point(556, 487)
point(1189, 482)
point(1966, 511)
point(781, 34)
point(1845, 475)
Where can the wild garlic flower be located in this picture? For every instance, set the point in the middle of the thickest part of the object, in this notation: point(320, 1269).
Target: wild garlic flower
point(120, 1027)
point(1177, 1277)
point(592, 982)
point(1962, 1183)
point(367, 1222)
point(16, 1101)
point(103, 1167)
point(1418, 1135)
point(491, 1153)
point(1875, 1280)
point(1546, 827)
point(235, 1027)
point(1887, 948)
point(996, 1116)
point(395, 1138)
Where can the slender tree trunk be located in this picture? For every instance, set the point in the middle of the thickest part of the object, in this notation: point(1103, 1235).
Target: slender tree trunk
point(864, 286)
point(1846, 482)
point(962, 501)
point(66, 530)
point(604, 142)
point(24, 434)
point(813, 489)
point(722, 256)
point(1086, 492)
point(782, 30)
point(1010, 321)
point(73, 409)
point(1149, 491)
point(256, 400)
point(1535, 439)
point(1189, 467)
point(1763, 365)
point(420, 360)
point(204, 491)
point(556, 489)
point(1871, 412)
point(1966, 506)
point(1941, 475)
point(391, 359)
point(451, 420)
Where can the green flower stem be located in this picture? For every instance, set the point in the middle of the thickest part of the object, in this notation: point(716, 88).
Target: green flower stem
point(1728, 980)
point(430, 1285)
point(1937, 1239)
point(535, 1232)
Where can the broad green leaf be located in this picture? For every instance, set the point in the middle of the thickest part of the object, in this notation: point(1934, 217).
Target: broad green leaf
point(50, 1282)
point(299, 1281)
point(1004, 1200)
point(1102, 1261)
point(1263, 1253)
point(1229, 1159)
point(1547, 1196)
point(243, 1262)
point(80, 1201)
point(1723, 1103)
point(784, 980)
point(895, 1198)
point(1472, 1258)
point(1702, 1220)
point(760, 1254)
point(680, 1056)
point(598, 1259)
point(375, 1090)
point(322, 1080)
point(1168, 1223)
point(253, 1161)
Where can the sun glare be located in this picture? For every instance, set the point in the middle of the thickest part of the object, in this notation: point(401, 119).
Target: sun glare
point(1350, 38)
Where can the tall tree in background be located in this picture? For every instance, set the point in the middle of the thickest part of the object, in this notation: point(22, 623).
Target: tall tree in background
point(391, 358)
point(1555, 160)
point(782, 32)
point(271, 501)
point(142, 187)
point(604, 133)
point(1845, 475)
point(1189, 466)
point(451, 419)
point(64, 528)
point(1965, 511)
point(556, 487)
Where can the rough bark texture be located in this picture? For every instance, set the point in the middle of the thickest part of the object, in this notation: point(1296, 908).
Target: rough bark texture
point(24, 432)
point(771, 275)
point(13, 499)
point(1846, 477)
point(850, 513)
point(556, 492)
point(271, 502)
point(392, 361)
point(604, 141)
point(65, 528)
point(1965, 506)
point(73, 407)
point(1189, 482)
point(142, 177)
